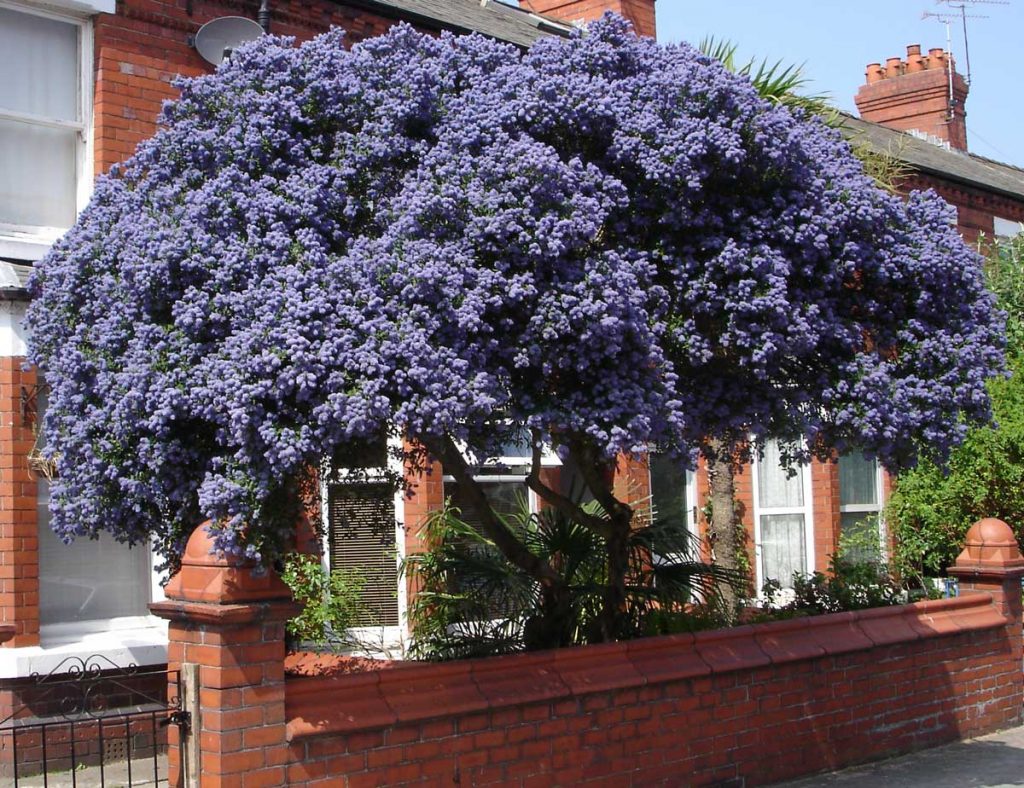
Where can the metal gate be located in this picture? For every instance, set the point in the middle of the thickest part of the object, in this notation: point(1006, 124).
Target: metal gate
point(90, 722)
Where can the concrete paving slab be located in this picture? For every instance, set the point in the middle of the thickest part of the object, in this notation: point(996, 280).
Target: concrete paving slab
point(993, 761)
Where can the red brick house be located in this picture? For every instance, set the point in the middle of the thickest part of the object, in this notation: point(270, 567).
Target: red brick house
point(913, 110)
point(81, 84)
point(106, 67)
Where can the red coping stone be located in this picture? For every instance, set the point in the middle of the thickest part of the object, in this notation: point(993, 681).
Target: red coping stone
point(957, 614)
point(730, 649)
point(598, 668)
point(518, 679)
point(421, 692)
point(838, 633)
point(788, 641)
point(668, 658)
point(886, 625)
point(351, 702)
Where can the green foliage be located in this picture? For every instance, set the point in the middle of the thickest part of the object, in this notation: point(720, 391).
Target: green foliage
point(785, 84)
point(855, 581)
point(473, 602)
point(330, 602)
point(777, 82)
point(932, 508)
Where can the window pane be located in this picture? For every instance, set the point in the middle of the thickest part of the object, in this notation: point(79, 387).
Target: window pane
point(90, 578)
point(37, 175)
point(668, 492)
point(782, 547)
point(778, 487)
point(361, 532)
point(38, 65)
point(860, 536)
point(858, 480)
point(506, 498)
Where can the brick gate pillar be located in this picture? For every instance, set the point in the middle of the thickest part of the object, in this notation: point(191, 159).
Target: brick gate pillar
point(991, 562)
point(228, 616)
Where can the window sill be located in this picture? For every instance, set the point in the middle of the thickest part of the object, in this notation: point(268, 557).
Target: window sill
point(84, 7)
point(138, 640)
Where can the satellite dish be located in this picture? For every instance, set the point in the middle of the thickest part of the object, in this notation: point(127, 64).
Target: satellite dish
point(218, 37)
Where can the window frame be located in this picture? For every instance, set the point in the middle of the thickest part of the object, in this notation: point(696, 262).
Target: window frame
point(31, 242)
point(806, 510)
point(390, 636)
point(866, 508)
point(61, 633)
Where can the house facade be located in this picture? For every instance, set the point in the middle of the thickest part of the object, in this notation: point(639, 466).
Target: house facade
point(81, 84)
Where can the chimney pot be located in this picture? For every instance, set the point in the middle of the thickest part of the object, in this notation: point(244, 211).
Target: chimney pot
point(919, 102)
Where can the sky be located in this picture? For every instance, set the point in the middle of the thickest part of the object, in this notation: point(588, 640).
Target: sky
point(835, 39)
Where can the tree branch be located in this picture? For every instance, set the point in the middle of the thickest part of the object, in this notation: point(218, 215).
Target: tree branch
point(589, 467)
point(562, 503)
point(510, 546)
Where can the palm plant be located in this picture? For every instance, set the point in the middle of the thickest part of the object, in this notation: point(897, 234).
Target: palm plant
point(473, 602)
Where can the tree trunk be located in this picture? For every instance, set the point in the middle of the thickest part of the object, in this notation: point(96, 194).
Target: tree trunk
point(614, 597)
point(723, 526)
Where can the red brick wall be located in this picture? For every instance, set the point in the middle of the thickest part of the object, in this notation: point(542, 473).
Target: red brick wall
point(975, 208)
point(639, 12)
point(747, 706)
point(145, 45)
point(825, 497)
point(19, 538)
point(426, 495)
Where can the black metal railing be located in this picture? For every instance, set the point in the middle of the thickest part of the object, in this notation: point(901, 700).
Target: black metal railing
point(90, 718)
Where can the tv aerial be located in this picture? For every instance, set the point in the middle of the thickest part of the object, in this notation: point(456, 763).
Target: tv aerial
point(958, 12)
point(218, 38)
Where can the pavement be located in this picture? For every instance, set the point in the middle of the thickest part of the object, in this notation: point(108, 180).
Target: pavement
point(992, 761)
point(115, 775)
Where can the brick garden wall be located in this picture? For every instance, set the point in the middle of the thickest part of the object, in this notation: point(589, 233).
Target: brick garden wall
point(747, 705)
point(750, 705)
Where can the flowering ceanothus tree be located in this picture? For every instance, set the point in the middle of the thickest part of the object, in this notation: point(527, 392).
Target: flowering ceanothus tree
point(606, 242)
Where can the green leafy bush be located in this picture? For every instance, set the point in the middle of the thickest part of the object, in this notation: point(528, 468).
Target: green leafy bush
point(474, 602)
point(331, 602)
point(858, 578)
point(931, 507)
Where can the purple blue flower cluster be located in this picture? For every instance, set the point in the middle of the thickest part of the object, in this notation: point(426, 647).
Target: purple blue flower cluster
point(604, 237)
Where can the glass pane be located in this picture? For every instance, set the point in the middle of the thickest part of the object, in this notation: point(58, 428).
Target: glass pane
point(782, 547)
point(361, 454)
point(506, 498)
point(778, 487)
point(860, 537)
point(37, 175)
point(38, 65)
point(669, 484)
point(858, 480)
point(88, 579)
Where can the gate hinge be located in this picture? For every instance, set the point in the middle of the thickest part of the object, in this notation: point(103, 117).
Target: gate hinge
point(182, 719)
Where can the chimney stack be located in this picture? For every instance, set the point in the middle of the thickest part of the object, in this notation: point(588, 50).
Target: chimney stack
point(639, 12)
point(922, 93)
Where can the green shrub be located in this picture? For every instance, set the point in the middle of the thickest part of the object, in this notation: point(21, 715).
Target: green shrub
point(473, 602)
point(331, 602)
point(858, 578)
point(931, 508)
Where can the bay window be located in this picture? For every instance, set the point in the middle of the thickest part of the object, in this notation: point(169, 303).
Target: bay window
point(783, 517)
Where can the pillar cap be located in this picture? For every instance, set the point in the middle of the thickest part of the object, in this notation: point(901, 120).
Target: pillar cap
point(212, 577)
point(989, 545)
